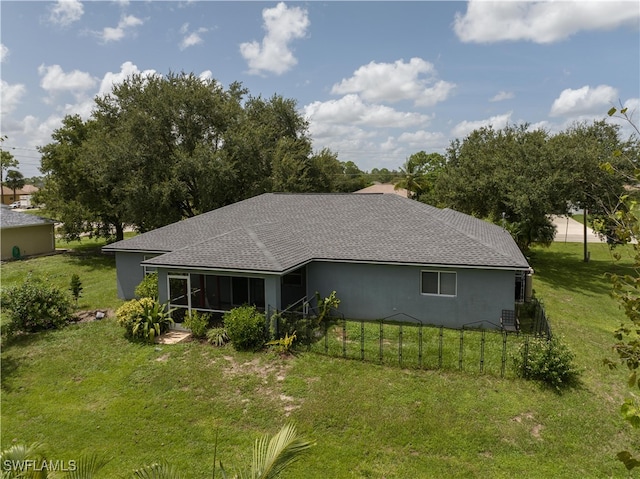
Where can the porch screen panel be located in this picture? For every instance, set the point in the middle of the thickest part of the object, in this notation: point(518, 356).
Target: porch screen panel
point(256, 292)
point(178, 291)
point(240, 288)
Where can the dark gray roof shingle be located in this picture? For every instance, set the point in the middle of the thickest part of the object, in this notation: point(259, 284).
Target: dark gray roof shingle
point(16, 219)
point(276, 232)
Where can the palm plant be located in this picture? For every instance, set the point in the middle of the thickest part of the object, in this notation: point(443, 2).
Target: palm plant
point(273, 455)
point(412, 179)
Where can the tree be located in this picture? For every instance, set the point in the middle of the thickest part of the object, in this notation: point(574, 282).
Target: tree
point(75, 286)
point(506, 176)
point(6, 161)
point(15, 181)
point(412, 175)
point(581, 149)
point(626, 288)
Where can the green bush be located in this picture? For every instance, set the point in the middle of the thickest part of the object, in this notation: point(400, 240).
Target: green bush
point(549, 361)
point(246, 328)
point(198, 323)
point(143, 319)
point(35, 305)
point(148, 287)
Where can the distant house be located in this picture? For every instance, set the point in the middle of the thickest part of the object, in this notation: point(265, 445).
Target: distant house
point(25, 193)
point(386, 188)
point(384, 255)
point(25, 235)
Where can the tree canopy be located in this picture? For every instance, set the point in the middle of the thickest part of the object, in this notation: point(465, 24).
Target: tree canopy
point(161, 148)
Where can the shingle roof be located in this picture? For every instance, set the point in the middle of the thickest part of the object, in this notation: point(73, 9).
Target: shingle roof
point(276, 232)
point(16, 219)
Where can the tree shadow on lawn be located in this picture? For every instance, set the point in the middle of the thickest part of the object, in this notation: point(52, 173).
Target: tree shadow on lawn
point(92, 259)
point(10, 364)
point(565, 271)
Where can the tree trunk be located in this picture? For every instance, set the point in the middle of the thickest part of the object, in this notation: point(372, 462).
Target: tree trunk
point(119, 231)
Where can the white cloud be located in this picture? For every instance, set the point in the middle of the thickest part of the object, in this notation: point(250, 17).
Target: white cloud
point(463, 128)
point(585, 100)
point(125, 26)
point(10, 96)
point(54, 79)
point(65, 12)
point(503, 95)
point(206, 75)
point(191, 38)
point(282, 25)
point(4, 52)
point(422, 139)
point(540, 22)
point(350, 109)
point(392, 82)
point(111, 79)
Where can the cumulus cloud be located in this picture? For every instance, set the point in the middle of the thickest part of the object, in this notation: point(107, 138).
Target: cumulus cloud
point(65, 12)
point(463, 128)
point(282, 25)
point(11, 95)
point(350, 109)
point(503, 95)
point(191, 38)
point(111, 79)
point(4, 52)
point(422, 139)
point(540, 22)
point(584, 101)
point(54, 79)
point(125, 26)
point(392, 82)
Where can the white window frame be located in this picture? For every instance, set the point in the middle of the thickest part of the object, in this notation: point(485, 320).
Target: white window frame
point(439, 272)
point(186, 276)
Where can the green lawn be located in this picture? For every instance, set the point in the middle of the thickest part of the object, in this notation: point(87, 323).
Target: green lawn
point(87, 389)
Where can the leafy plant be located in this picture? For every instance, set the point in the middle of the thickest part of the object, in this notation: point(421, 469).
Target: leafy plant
point(143, 319)
point(161, 470)
point(148, 287)
point(325, 305)
point(283, 345)
point(549, 361)
point(35, 305)
point(217, 336)
point(246, 328)
point(75, 286)
point(197, 322)
point(271, 456)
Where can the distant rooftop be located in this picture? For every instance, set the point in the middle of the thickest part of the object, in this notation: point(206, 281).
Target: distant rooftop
point(384, 188)
point(16, 219)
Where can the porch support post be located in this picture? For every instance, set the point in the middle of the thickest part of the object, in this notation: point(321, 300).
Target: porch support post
point(273, 291)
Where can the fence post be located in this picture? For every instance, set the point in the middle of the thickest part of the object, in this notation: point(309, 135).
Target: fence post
point(420, 345)
point(482, 351)
point(526, 356)
point(461, 349)
point(440, 349)
point(504, 353)
point(362, 340)
point(381, 339)
point(344, 338)
point(400, 345)
point(326, 337)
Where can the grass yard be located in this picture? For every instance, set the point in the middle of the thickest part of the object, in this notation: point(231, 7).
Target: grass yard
point(87, 389)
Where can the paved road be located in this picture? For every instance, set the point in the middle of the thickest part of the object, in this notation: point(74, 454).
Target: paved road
point(571, 231)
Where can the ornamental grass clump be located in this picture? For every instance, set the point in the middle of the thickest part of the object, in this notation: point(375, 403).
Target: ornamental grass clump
point(143, 319)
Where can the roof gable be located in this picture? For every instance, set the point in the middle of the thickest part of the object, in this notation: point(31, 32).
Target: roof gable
point(275, 232)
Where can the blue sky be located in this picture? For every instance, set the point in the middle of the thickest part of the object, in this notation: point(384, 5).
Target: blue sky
point(377, 81)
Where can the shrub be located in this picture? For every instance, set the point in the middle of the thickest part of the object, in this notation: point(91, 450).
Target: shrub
point(143, 319)
point(283, 345)
point(549, 361)
point(217, 336)
point(197, 322)
point(148, 287)
point(35, 305)
point(246, 328)
point(75, 286)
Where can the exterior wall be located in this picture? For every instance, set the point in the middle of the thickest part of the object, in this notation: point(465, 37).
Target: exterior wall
point(36, 239)
point(369, 291)
point(129, 273)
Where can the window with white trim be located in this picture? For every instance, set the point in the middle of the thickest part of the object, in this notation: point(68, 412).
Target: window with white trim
point(441, 283)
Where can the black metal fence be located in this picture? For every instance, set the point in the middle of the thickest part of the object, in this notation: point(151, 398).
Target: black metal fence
point(409, 343)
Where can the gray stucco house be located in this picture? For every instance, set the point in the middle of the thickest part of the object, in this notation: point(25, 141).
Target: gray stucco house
point(384, 255)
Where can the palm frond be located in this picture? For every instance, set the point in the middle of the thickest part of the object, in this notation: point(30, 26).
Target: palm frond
point(157, 470)
point(272, 456)
point(17, 457)
point(86, 467)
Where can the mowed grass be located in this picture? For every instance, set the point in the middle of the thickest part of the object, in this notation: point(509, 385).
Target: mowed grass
point(87, 389)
